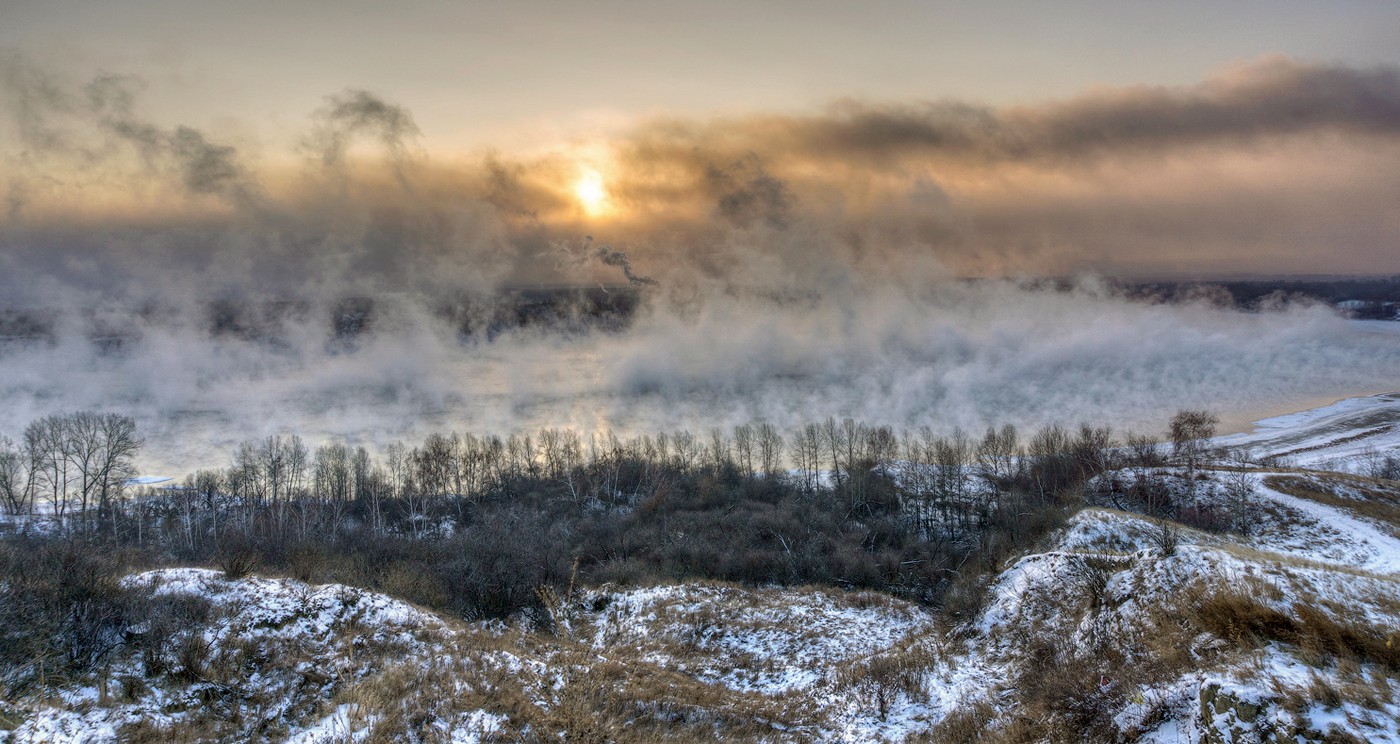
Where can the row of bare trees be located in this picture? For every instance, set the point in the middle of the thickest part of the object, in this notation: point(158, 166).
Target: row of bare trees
point(76, 464)
point(838, 501)
point(945, 485)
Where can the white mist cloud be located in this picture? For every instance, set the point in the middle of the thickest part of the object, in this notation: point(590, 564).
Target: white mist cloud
point(800, 265)
point(952, 354)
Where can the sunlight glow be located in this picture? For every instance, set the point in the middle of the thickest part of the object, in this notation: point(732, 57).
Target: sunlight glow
point(591, 193)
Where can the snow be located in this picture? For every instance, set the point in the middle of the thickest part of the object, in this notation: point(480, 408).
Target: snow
point(290, 608)
point(766, 641)
point(803, 648)
point(276, 618)
point(1301, 552)
point(1328, 534)
point(1335, 437)
point(344, 725)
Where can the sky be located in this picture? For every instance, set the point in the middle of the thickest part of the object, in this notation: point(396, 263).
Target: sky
point(1004, 138)
point(791, 186)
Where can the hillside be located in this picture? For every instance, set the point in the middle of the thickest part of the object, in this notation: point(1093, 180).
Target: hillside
point(1281, 622)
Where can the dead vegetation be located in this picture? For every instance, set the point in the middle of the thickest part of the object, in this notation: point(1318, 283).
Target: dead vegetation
point(879, 680)
point(1372, 498)
point(553, 658)
point(1245, 621)
point(1077, 663)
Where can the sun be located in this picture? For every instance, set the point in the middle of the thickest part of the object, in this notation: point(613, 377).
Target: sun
point(592, 194)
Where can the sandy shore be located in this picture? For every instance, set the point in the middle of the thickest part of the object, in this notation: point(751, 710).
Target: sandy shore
point(1242, 421)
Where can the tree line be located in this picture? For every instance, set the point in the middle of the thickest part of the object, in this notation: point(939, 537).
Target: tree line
point(944, 484)
point(78, 464)
point(477, 524)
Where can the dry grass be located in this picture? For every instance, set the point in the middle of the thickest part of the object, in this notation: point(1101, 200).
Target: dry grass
point(10, 718)
point(1375, 499)
point(567, 692)
point(1350, 438)
point(238, 564)
point(969, 724)
point(1242, 619)
point(880, 679)
point(1071, 691)
point(1286, 560)
point(512, 685)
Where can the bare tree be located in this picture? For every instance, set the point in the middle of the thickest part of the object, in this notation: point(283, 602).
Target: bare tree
point(952, 457)
point(332, 483)
point(997, 454)
point(14, 486)
point(44, 449)
point(831, 441)
point(115, 462)
point(331, 475)
point(272, 462)
point(1143, 450)
point(744, 447)
point(807, 452)
point(718, 454)
point(1094, 450)
point(83, 460)
point(1190, 434)
point(687, 449)
point(297, 459)
point(246, 475)
point(397, 456)
point(432, 464)
point(770, 448)
point(1240, 489)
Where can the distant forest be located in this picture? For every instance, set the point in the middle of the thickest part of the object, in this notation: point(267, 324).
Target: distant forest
point(1382, 292)
point(611, 308)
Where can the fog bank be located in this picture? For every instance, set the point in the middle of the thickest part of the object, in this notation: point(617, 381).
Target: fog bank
point(776, 267)
point(952, 354)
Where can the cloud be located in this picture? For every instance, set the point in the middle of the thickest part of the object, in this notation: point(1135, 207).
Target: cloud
point(746, 194)
point(952, 354)
point(1276, 166)
point(1273, 97)
point(353, 113)
point(793, 266)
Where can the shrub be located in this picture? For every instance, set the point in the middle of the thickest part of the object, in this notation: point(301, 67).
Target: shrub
point(1091, 573)
point(62, 610)
point(238, 563)
point(879, 680)
point(1243, 619)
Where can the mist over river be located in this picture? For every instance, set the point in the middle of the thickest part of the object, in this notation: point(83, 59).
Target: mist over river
point(952, 354)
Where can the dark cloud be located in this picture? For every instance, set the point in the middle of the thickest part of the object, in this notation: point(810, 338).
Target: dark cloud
point(618, 259)
point(1271, 98)
point(14, 201)
point(359, 113)
point(31, 97)
point(1274, 97)
point(55, 123)
point(1274, 167)
point(748, 194)
point(183, 207)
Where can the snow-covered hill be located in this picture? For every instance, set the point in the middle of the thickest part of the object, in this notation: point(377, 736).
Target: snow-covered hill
point(1138, 628)
point(1348, 435)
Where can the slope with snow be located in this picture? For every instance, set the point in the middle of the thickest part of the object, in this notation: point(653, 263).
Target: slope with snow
point(1341, 436)
point(1116, 620)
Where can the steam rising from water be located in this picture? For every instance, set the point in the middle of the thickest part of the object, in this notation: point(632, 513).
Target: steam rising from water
point(790, 268)
point(951, 354)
